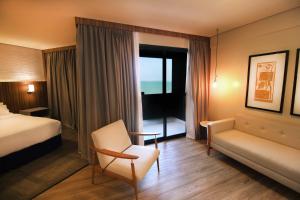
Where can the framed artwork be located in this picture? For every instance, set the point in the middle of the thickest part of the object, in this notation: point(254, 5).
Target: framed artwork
point(295, 109)
point(266, 81)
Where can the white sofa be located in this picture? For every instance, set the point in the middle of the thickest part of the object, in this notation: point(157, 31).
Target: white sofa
point(268, 146)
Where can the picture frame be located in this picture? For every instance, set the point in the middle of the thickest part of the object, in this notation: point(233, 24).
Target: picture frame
point(266, 81)
point(295, 107)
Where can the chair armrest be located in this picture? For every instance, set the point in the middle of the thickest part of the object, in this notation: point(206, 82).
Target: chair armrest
point(116, 154)
point(146, 134)
point(143, 133)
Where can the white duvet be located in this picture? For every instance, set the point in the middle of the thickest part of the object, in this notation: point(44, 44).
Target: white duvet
point(20, 131)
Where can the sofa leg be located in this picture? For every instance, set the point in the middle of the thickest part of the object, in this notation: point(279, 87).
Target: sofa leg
point(157, 162)
point(208, 151)
point(135, 191)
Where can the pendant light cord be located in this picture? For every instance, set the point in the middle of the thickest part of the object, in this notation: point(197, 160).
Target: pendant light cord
point(217, 55)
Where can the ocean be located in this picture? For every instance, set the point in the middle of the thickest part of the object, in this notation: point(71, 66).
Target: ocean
point(154, 87)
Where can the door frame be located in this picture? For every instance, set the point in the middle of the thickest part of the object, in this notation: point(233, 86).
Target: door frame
point(163, 52)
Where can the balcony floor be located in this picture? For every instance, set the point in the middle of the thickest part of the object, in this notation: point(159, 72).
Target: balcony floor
point(174, 126)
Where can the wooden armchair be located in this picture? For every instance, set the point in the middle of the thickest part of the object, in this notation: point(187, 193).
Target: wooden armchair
point(119, 158)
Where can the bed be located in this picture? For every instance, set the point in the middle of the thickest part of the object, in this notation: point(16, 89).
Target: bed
point(23, 138)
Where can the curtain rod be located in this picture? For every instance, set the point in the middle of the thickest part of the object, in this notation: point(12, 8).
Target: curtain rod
point(59, 49)
point(95, 22)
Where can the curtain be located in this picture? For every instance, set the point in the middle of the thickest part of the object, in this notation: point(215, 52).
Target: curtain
point(60, 74)
point(198, 76)
point(106, 78)
point(140, 139)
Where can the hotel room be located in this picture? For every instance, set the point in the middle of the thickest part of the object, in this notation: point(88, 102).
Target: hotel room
point(130, 99)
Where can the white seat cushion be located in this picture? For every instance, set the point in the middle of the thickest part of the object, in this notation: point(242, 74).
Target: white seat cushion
point(147, 156)
point(277, 157)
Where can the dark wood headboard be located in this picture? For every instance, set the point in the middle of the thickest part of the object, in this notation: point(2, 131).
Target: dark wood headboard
point(15, 96)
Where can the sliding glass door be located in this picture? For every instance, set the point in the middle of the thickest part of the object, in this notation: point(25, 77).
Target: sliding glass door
point(152, 90)
point(162, 75)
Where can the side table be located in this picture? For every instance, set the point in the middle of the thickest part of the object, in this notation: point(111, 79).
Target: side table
point(204, 124)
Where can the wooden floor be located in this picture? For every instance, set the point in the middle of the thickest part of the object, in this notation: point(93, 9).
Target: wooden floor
point(186, 173)
point(31, 179)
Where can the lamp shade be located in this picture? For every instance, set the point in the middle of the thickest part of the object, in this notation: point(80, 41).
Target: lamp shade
point(30, 88)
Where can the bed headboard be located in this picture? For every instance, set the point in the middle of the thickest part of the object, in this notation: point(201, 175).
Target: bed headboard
point(15, 96)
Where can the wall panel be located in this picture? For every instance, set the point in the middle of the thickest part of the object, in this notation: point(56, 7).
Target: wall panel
point(276, 33)
point(15, 96)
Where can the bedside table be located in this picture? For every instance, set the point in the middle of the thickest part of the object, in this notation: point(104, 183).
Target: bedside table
point(37, 112)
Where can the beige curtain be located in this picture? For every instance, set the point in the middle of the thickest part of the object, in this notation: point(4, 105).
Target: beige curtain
point(198, 76)
point(136, 39)
point(106, 79)
point(61, 85)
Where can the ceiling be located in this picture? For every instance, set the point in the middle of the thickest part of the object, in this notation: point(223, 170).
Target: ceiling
point(43, 24)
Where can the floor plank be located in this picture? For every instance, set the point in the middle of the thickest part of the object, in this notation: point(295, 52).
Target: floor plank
point(186, 173)
point(31, 179)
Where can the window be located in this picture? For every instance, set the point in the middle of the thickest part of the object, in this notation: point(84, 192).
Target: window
point(162, 79)
point(151, 74)
point(169, 75)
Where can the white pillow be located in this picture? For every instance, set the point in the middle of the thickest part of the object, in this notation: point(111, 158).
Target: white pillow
point(3, 109)
point(2, 105)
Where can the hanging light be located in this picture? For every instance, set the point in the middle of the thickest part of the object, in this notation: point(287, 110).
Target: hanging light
point(215, 83)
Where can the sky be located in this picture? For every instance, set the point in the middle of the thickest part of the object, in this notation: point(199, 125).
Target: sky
point(151, 69)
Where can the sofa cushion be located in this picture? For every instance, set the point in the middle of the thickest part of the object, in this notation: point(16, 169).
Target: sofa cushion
point(147, 156)
point(276, 130)
point(274, 156)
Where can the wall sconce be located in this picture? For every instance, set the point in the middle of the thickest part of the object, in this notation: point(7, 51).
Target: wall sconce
point(30, 88)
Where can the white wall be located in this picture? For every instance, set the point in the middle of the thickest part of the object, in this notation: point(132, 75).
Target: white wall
point(160, 40)
point(279, 32)
point(20, 64)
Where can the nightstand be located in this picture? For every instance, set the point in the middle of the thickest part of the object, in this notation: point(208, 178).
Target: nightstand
point(38, 112)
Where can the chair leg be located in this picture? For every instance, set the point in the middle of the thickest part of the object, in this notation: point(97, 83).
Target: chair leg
point(157, 162)
point(93, 173)
point(93, 164)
